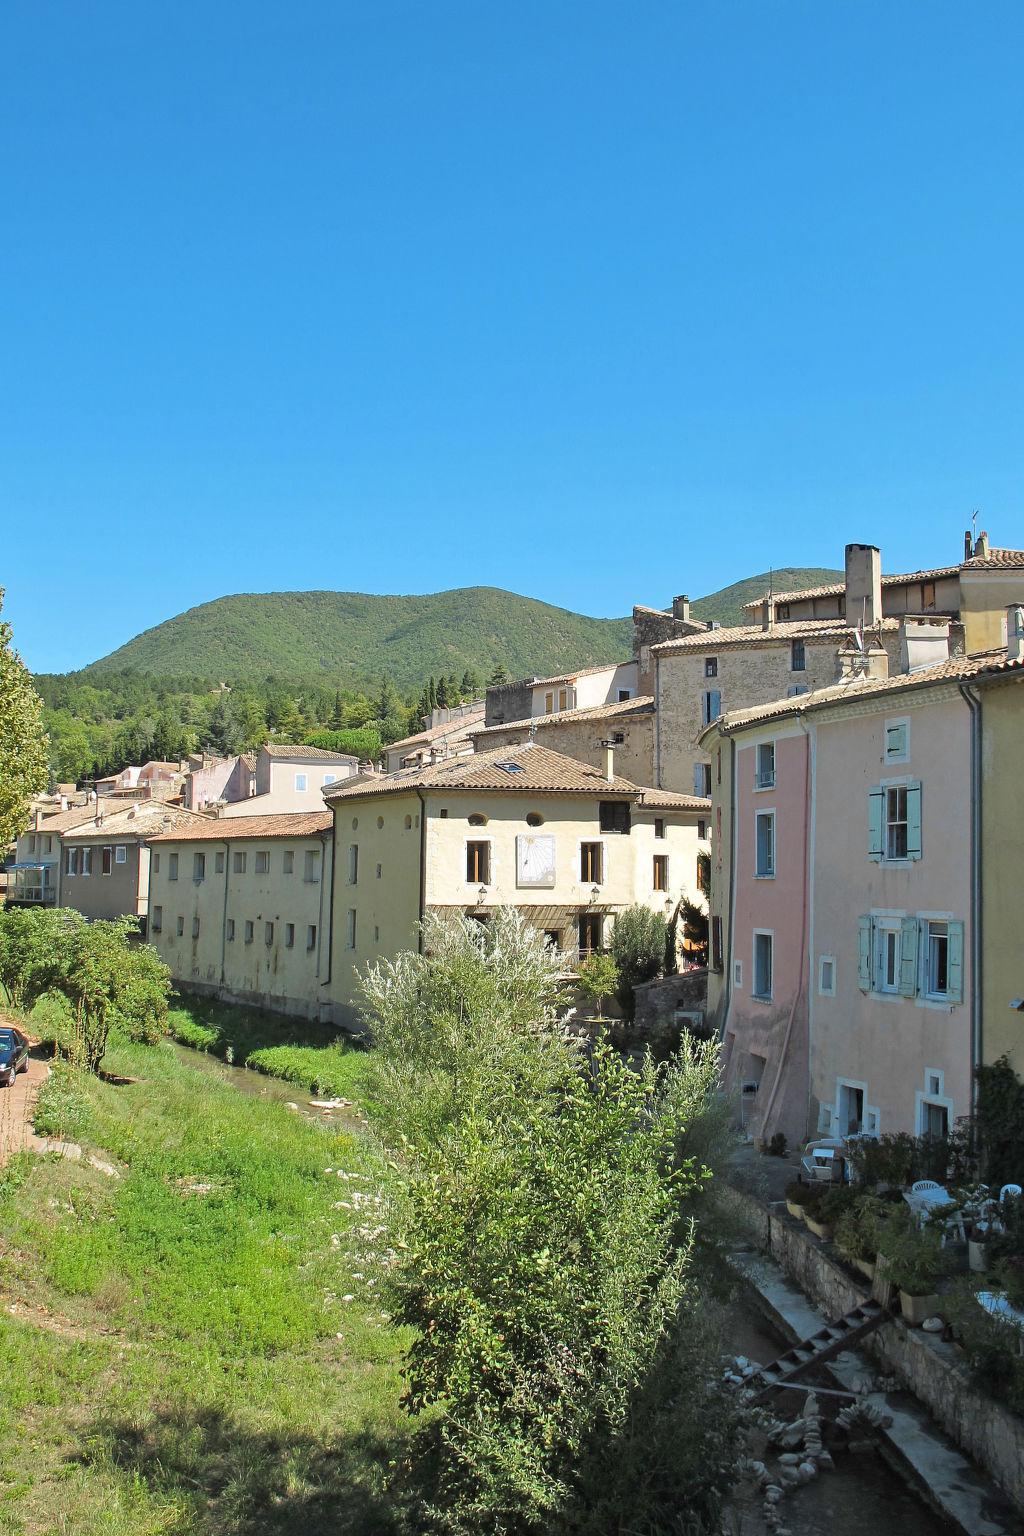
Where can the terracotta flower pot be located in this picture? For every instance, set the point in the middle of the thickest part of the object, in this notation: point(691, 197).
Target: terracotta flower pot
point(916, 1308)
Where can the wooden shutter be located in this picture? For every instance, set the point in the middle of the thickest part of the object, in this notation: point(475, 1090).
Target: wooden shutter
point(913, 821)
point(955, 962)
point(876, 823)
point(908, 957)
point(864, 953)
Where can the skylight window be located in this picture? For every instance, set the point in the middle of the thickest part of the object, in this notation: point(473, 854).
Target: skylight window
point(510, 767)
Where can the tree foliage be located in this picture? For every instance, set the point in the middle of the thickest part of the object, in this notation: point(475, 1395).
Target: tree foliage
point(542, 1226)
point(23, 742)
point(638, 949)
point(598, 978)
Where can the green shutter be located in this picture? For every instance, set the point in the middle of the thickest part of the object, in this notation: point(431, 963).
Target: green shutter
point(955, 963)
point(876, 817)
point(913, 821)
point(864, 953)
point(908, 957)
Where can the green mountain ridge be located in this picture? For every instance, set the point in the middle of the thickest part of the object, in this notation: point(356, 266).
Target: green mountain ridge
point(352, 638)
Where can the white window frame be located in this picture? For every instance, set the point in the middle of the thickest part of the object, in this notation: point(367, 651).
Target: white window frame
point(881, 925)
point(301, 783)
point(120, 853)
point(894, 723)
point(923, 948)
point(823, 961)
point(761, 783)
point(762, 997)
point(888, 825)
point(264, 855)
point(941, 1100)
point(330, 778)
point(767, 813)
point(248, 931)
point(312, 866)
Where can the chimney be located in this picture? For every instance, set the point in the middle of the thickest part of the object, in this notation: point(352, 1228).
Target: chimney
point(968, 545)
point(767, 613)
point(681, 608)
point(981, 548)
point(1015, 632)
point(609, 760)
point(863, 586)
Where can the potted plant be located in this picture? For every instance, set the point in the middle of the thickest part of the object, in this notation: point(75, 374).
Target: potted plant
point(916, 1264)
point(858, 1231)
point(815, 1217)
point(978, 1236)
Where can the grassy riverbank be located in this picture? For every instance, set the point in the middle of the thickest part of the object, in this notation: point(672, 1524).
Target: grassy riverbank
point(313, 1056)
point(178, 1356)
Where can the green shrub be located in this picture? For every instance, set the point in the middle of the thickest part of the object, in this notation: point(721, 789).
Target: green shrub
point(331, 1071)
point(62, 1104)
point(638, 950)
point(53, 1023)
point(990, 1344)
point(859, 1228)
point(916, 1261)
point(598, 978)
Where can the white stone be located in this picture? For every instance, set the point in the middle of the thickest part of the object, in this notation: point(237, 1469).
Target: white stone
point(933, 1325)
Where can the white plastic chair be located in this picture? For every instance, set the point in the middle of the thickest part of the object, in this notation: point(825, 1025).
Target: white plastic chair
point(923, 1185)
point(1014, 1191)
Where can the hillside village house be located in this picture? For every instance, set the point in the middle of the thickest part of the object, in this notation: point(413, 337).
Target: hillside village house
point(240, 908)
point(584, 733)
point(211, 779)
point(159, 780)
point(567, 844)
point(292, 778)
point(1000, 700)
point(446, 733)
point(587, 688)
point(34, 877)
point(842, 910)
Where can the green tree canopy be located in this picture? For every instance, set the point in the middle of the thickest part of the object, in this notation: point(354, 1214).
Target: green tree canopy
point(24, 747)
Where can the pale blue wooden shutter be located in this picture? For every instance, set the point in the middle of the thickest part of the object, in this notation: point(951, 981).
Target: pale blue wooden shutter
point(876, 818)
point(913, 821)
point(864, 953)
point(955, 962)
point(908, 957)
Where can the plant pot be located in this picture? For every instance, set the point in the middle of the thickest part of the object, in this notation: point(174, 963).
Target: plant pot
point(819, 1228)
point(795, 1210)
point(977, 1257)
point(866, 1267)
point(916, 1308)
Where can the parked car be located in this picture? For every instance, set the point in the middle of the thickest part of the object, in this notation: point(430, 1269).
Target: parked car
point(13, 1054)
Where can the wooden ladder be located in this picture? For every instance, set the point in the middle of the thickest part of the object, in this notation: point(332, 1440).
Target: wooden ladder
point(821, 1346)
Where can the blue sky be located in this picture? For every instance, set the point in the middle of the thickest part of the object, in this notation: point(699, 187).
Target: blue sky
point(594, 301)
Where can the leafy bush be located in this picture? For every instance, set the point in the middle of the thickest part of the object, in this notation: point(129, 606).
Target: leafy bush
point(332, 1071)
point(990, 1344)
point(916, 1262)
point(62, 1104)
point(53, 1023)
point(1000, 1121)
point(598, 978)
point(545, 1256)
point(363, 742)
point(898, 1159)
point(859, 1228)
point(638, 949)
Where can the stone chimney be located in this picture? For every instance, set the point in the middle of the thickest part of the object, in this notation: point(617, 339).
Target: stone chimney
point(767, 613)
point(981, 548)
point(609, 760)
point(853, 662)
point(681, 608)
point(863, 586)
point(968, 544)
point(1015, 632)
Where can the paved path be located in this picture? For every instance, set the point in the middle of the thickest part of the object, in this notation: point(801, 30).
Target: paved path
point(16, 1108)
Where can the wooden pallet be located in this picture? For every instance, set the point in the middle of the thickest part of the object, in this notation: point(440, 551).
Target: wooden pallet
point(829, 1341)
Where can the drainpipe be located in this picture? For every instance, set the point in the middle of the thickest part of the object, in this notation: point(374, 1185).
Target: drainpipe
point(224, 918)
point(972, 699)
point(423, 868)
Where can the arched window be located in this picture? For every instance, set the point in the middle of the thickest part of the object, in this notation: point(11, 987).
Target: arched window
point(408, 823)
point(478, 819)
point(380, 822)
point(535, 819)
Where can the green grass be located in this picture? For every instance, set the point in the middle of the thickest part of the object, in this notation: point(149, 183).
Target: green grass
point(313, 1056)
point(181, 1358)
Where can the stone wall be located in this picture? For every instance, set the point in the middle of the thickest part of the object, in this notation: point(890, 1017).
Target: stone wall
point(926, 1365)
point(509, 701)
point(581, 739)
point(656, 1004)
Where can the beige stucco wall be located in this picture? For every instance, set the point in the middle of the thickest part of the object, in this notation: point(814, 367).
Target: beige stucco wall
point(887, 1043)
point(122, 893)
point(271, 975)
point(593, 689)
point(1002, 714)
point(984, 599)
point(581, 739)
point(386, 830)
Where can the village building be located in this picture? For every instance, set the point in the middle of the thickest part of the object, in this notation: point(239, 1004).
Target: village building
point(566, 843)
point(531, 698)
point(447, 732)
point(289, 779)
point(585, 733)
point(211, 779)
point(240, 908)
point(996, 785)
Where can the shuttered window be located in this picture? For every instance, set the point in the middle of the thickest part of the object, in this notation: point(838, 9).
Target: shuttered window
point(894, 822)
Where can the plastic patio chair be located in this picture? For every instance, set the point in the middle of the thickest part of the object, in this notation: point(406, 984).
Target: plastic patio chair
point(923, 1186)
point(1013, 1190)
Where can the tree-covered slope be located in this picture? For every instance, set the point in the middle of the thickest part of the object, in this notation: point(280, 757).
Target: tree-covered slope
point(727, 605)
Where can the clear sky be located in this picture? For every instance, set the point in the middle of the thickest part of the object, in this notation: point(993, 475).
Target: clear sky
point(596, 301)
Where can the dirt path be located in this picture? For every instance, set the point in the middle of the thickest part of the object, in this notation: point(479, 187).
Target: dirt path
point(16, 1109)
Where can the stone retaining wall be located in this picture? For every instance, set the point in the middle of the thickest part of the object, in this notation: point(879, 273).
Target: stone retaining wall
point(926, 1365)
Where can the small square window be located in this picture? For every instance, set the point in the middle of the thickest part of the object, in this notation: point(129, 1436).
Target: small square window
point(181, 927)
point(301, 783)
point(120, 854)
point(289, 935)
point(711, 666)
point(230, 932)
point(827, 976)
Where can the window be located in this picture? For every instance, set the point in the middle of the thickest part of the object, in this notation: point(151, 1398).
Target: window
point(353, 864)
point(230, 932)
point(661, 871)
point(288, 862)
point(380, 870)
point(552, 938)
point(311, 867)
point(195, 927)
point(71, 862)
point(329, 778)
point(781, 612)
point(717, 963)
point(172, 867)
point(549, 703)
point(107, 861)
point(48, 844)
point(218, 863)
point(478, 863)
point(198, 867)
point(827, 976)
point(927, 595)
point(589, 927)
point(262, 862)
point(894, 821)
point(157, 920)
point(796, 690)
point(156, 863)
point(659, 826)
point(797, 657)
point(120, 854)
point(181, 927)
point(591, 863)
point(618, 737)
point(766, 765)
point(534, 819)
point(763, 978)
point(86, 861)
point(897, 741)
point(289, 935)
point(478, 819)
point(350, 929)
point(702, 830)
point(268, 933)
point(711, 666)
point(764, 854)
point(936, 959)
point(311, 936)
point(710, 705)
point(613, 816)
point(248, 932)
point(238, 862)
point(702, 780)
point(301, 783)
point(704, 873)
point(887, 956)
point(624, 694)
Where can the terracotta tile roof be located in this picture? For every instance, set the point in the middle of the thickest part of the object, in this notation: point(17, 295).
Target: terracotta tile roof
point(564, 677)
point(668, 800)
point(996, 560)
point(151, 819)
point(249, 759)
point(312, 754)
point(63, 821)
point(756, 635)
point(464, 722)
point(521, 767)
point(638, 706)
point(230, 828)
point(959, 667)
point(837, 588)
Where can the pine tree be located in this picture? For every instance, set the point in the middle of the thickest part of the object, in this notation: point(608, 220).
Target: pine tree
point(23, 742)
point(443, 699)
point(498, 676)
point(470, 684)
point(338, 715)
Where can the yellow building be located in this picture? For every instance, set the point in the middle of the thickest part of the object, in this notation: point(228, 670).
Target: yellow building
point(239, 908)
point(567, 843)
point(1001, 695)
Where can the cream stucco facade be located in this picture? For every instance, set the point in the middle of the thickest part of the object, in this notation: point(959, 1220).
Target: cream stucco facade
point(1002, 819)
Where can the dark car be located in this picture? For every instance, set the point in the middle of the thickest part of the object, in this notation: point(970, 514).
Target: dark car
point(13, 1054)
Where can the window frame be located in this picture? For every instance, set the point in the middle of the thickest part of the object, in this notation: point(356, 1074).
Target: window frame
point(756, 992)
point(767, 817)
point(156, 920)
point(120, 853)
point(706, 706)
point(611, 812)
point(660, 873)
point(591, 843)
point(823, 961)
point(710, 666)
point(895, 723)
point(261, 861)
point(479, 854)
point(301, 783)
point(798, 655)
point(761, 781)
